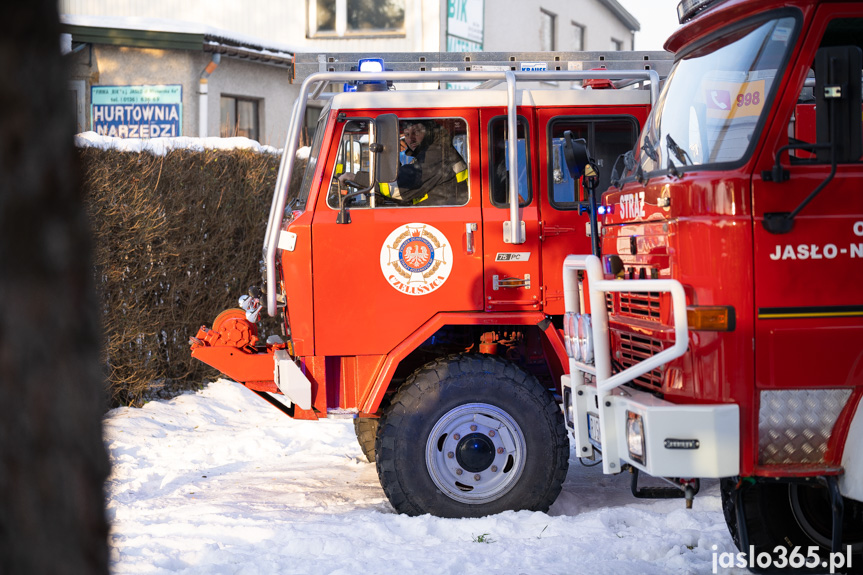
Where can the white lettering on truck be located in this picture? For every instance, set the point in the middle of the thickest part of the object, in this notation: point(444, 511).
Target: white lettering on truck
point(814, 252)
point(632, 206)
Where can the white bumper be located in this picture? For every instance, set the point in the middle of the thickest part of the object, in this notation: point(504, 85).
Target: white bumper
point(685, 441)
point(291, 381)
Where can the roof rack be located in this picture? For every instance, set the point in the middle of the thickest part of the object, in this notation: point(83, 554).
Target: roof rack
point(660, 61)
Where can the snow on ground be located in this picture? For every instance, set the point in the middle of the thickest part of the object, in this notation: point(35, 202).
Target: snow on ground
point(220, 482)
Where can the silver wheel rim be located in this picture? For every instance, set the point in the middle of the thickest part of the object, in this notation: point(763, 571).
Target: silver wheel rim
point(475, 453)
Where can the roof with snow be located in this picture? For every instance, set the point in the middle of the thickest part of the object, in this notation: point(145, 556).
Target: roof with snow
point(173, 35)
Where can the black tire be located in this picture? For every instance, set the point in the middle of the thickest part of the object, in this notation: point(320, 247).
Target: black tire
point(790, 515)
point(366, 429)
point(469, 436)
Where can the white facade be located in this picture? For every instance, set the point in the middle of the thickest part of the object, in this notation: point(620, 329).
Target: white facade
point(312, 26)
point(598, 23)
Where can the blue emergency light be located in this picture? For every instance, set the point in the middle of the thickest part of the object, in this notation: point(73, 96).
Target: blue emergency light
point(371, 65)
point(368, 65)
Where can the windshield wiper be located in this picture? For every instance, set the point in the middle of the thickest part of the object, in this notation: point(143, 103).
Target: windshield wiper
point(649, 149)
point(679, 153)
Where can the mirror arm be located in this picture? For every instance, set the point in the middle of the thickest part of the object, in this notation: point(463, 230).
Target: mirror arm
point(779, 174)
point(344, 216)
point(375, 148)
point(782, 222)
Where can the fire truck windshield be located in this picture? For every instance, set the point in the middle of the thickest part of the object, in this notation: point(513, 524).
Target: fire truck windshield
point(712, 105)
point(297, 195)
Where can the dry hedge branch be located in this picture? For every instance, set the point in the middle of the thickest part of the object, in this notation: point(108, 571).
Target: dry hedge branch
point(177, 240)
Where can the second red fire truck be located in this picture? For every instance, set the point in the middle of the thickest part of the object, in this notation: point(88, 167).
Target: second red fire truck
point(719, 332)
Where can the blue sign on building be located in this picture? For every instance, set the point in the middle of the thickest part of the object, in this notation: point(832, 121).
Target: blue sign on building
point(137, 111)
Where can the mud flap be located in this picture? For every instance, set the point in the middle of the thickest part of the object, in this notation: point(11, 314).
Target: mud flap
point(291, 381)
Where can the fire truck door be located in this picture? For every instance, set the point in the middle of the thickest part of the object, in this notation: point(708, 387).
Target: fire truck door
point(512, 279)
point(808, 295)
point(564, 230)
point(411, 250)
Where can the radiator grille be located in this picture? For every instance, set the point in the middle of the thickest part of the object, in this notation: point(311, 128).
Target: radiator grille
point(643, 305)
point(639, 305)
point(634, 349)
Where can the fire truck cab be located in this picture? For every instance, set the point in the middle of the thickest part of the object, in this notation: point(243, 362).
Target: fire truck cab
point(719, 333)
point(417, 267)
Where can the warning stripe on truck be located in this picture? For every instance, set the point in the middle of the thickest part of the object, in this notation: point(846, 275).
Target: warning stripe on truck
point(810, 312)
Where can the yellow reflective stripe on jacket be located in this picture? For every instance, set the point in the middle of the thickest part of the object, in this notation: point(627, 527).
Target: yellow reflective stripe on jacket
point(460, 169)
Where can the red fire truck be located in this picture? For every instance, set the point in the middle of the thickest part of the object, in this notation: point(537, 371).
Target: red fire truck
point(430, 307)
point(719, 332)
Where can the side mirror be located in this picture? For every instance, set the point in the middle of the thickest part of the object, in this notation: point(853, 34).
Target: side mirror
point(387, 154)
point(575, 154)
point(838, 104)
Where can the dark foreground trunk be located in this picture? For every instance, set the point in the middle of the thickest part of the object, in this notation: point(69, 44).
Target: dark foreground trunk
point(52, 459)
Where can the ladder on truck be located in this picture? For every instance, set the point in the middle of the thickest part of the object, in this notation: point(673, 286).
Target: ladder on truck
point(486, 70)
point(601, 62)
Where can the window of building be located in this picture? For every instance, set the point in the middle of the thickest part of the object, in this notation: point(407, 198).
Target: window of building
point(616, 44)
point(577, 37)
point(546, 30)
point(239, 117)
point(433, 168)
point(329, 18)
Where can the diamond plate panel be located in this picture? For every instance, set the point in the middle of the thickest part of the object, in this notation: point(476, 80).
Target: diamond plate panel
point(794, 425)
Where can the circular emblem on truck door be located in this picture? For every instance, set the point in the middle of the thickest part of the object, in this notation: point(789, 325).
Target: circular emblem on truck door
point(416, 259)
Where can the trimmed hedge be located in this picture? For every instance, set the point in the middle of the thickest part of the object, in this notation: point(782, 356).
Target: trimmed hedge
point(177, 240)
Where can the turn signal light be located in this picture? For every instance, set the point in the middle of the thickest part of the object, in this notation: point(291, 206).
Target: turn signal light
point(710, 318)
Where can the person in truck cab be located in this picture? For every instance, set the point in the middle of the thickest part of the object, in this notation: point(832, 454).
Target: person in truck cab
point(432, 171)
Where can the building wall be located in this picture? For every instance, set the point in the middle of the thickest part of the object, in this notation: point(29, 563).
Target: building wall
point(278, 23)
point(508, 25)
point(124, 66)
point(504, 33)
point(270, 85)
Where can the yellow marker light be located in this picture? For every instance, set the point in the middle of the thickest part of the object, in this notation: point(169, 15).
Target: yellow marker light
point(710, 318)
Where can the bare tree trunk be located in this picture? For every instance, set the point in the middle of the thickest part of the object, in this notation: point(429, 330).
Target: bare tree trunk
point(52, 459)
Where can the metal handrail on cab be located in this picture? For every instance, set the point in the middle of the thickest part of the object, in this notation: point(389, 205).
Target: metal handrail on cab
point(313, 85)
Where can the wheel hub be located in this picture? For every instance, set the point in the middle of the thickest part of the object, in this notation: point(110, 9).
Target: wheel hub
point(475, 452)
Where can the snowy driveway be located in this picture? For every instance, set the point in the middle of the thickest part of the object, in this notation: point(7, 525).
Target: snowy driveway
point(220, 482)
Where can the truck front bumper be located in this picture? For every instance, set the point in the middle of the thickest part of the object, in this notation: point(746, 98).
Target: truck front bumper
point(656, 436)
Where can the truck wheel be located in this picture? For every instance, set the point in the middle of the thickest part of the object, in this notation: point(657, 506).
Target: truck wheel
point(792, 514)
point(469, 436)
point(366, 429)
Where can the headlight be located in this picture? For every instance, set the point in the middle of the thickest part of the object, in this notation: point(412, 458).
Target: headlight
point(635, 437)
point(585, 338)
point(567, 407)
point(570, 333)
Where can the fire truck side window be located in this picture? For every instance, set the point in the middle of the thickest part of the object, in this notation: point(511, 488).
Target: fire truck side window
point(607, 139)
point(433, 168)
point(499, 163)
point(801, 128)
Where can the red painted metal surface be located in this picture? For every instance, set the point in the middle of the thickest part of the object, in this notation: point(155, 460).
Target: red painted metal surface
point(705, 230)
